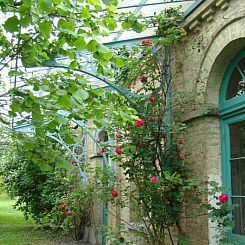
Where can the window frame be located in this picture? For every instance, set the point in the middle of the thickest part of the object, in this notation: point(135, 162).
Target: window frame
point(231, 111)
point(229, 106)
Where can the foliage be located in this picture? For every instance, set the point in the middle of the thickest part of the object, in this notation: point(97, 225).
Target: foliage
point(150, 151)
point(72, 211)
point(42, 180)
point(119, 235)
point(25, 175)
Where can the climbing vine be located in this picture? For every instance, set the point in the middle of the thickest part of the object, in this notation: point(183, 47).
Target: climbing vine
point(156, 181)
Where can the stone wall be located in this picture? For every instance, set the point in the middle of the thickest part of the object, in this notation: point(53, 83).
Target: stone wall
point(215, 33)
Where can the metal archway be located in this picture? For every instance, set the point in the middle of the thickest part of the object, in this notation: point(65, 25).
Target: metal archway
point(80, 156)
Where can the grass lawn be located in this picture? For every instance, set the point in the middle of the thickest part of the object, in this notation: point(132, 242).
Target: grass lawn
point(15, 230)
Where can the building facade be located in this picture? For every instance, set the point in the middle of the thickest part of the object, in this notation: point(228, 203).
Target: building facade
point(210, 63)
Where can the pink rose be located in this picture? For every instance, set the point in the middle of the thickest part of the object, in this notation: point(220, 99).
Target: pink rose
point(223, 198)
point(119, 150)
point(114, 193)
point(153, 179)
point(98, 140)
point(74, 163)
point(146, 42)
point(139, 123)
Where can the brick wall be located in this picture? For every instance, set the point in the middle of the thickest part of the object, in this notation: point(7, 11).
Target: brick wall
point(215, 33)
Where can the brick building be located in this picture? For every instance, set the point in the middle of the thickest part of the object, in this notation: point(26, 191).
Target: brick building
point(210, 63)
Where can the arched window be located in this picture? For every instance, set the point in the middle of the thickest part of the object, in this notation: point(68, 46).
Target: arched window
point(232, 110)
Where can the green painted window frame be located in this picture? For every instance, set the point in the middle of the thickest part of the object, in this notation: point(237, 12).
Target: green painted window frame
point(231, 111)
point(230, 106)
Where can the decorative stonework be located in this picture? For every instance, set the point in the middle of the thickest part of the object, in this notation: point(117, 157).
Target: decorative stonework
point(205, 12)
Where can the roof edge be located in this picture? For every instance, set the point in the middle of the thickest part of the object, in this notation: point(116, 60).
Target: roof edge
point(192, 7)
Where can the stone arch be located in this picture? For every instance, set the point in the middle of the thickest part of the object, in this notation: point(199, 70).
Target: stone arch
point(226, 42)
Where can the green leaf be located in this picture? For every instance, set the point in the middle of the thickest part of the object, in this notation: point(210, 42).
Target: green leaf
point(137, 27)
point(108, 2)
point(11, 24)
point(69, 140)
point(73, 64)
point(94, 2)
point(44, 167)
point(98, 112)
point(125, 116)
point(102, 48)
point(65, 102)
point(66, 25)
point(119, 62)
point(80, 95)
point(97, 123)
point(63, 9)
point(61, 119)
point(112, 24)
point(45, 28)
point(126, 25)
point(44, 5)
point(25, 20)
point(80, 43)
point(107, 55)
point(61, 92)
point(28, 146)
point(63, 163)
point(85, 13)
point(92, 45)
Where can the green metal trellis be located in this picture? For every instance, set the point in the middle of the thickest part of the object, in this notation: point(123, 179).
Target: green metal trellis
point(81, 157)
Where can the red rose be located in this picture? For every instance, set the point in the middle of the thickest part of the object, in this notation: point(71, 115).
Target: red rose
point(98, 140)
point(180, 141)
point(118, 136)
point(223, 198)
point(103, 149)
point(179, 158)
point(152, 99)
point(114, 193)
point(153, 179)
point(143, 79)
point(146, 42)
point(159, 94)
point(152, 119)
point(139, 123)
point(68, 213)
point(185, 156)
point(139, 145)
point(62, 206)
point(119, 150)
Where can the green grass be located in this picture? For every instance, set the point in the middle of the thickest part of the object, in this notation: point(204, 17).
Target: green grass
point(15, 230)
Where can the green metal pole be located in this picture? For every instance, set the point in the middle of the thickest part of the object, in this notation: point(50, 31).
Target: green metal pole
point(168, 111)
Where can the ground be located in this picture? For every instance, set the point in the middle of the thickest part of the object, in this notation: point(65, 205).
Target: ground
point(15, 230)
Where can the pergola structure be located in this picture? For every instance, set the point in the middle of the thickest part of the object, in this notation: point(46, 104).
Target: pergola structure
point(114, 40)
